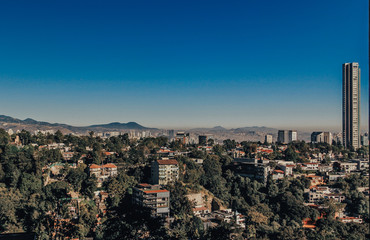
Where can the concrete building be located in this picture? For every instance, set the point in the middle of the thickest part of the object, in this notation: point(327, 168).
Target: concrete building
point(322, 137)
point(287, 136)
point(365, 140)
point(351, 105)
point(153, 197)
point(268, 138)
point(252, 168)
point(164, 171)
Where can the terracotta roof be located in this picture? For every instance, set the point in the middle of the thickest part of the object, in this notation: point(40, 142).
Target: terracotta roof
point(109, 165)
point(279, 171)
point(156, 191)
point(290, 165)
point(167, 162)
point(94, 166)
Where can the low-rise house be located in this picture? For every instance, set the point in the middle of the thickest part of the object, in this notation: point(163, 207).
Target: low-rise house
point(278, 174)
point(315, 180)
point(67, 156)
point(197, 160)
point(110, 169)
point(95, 170)
point(310, 166)
point(325, 168)
point(200, 211)
point(318, 193)
point(103, 172)
point(348, 166)
point(362, 164)
point(335, 177)
point(229, 216)
point(335, 196)
point(351, 219)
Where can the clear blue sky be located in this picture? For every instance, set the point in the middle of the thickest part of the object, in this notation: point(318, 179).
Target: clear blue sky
point(181, 63)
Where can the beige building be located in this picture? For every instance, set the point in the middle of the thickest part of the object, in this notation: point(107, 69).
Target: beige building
point(165, 171)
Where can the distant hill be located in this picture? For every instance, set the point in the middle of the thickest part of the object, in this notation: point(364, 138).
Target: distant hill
point(31, 124)
point(117, 125)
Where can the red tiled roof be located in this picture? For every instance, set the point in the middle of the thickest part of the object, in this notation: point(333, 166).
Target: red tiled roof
point(279, 171)
point(109, 165)
point(156, 191)
point(167, 162)
point(94, 166)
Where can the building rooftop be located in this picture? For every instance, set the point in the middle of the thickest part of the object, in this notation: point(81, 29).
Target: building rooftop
point(155, 191)
point(94, 166)
point(109, 165)
point(167, 162)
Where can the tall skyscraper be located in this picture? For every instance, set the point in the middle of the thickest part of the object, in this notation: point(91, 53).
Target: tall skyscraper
point(322, 137)
point(351, 104)
point(287, 136)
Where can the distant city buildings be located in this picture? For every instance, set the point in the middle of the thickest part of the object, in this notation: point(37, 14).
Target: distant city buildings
point(183, 137)
point(164, 171)
point(365, 140)
point(322, 137)
point(203, 139)
point(171, 134)
point(351, 105)
point(268, 138)
point(287, 136)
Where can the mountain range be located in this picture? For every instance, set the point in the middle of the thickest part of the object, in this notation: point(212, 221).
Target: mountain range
point(31, 124)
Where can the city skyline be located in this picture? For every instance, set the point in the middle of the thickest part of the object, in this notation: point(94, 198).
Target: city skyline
point(170, 65)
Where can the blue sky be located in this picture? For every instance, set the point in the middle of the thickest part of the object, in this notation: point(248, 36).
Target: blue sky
point(178, 64)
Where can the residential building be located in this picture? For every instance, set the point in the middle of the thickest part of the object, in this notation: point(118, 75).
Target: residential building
point(164, 171)
point(348, 166)
point(322, 137)
point(287, 168)
point(310, 166)
point(153, 197)
point(362, 164)
point(351, 104)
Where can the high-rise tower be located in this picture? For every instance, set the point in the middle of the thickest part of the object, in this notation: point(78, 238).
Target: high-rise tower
point(351, 104)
